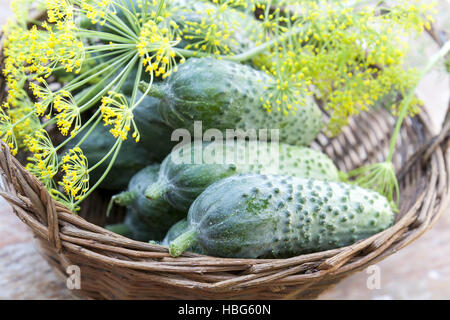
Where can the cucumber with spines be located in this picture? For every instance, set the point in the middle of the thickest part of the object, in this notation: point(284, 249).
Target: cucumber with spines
point(260, 216)
point(181, 178)
point(227, 95)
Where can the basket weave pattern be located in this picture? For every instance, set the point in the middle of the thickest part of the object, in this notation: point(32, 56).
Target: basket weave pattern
point(114, 267)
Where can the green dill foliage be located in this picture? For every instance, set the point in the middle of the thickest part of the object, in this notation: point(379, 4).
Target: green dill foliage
point(348, 53)
point(381, 176)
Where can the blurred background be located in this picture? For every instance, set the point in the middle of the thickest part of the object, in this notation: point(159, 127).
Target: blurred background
point(419, 271)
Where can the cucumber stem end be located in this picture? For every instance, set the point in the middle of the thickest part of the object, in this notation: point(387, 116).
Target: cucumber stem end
point(156, 90)
point(156, 190)
point(183, 242)
point(124, 198)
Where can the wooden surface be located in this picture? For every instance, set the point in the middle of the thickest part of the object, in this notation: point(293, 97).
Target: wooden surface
point(419, 271)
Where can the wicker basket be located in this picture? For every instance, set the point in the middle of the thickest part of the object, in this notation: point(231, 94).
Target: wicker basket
point(114, 267)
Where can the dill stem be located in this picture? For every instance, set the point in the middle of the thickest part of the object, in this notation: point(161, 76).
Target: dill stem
point(113, 148)
point(110, 47)
point(131, 18)
point(106, 36)
point(160, 7)
point(117, 145)
point(98, 71)
point(440, 54)
point(136, 83)
point(246, 55)
point(109, 85)
point(22, 119)
point(91, 102)
point(62, 144)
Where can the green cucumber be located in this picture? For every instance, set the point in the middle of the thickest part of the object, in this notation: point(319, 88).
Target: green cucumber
point(189, 170)
point(227, 95)
point(176, 230)
point(155, 134)
point(146, 220)
point(259, 216)
point(133, 227)
point(173, 233)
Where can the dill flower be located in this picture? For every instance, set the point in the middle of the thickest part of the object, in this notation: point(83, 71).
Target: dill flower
point(273, 20)
point(289, 86)
point(217, 28)
point(44, 95)
point(97, 10)
point(156, 46)
point(68, 116)
point(116, 112)
point(285, 94)
point(66, 200)
point(59, 10)
point(6, 130)
point(21, 9)
point(351, 57)
point(44, 163)
point(76, 174)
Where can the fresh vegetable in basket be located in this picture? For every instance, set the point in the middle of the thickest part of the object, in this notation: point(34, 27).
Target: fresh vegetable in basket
point(224, 94)
point(189, 170)
point(145, 220)
point(176, 230)
point(133, 227)
point(346, 55)
point(264, 216)
point(173, 233)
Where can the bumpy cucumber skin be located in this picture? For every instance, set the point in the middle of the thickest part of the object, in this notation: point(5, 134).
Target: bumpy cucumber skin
point(149, 220)
point(184, 182)
point(299, 129)
point(258, 216)
point(226, 95)
point(155, 144)
point(215, 92)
